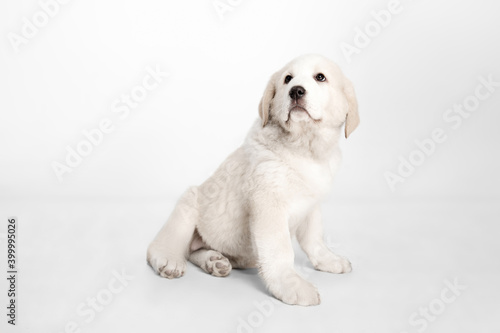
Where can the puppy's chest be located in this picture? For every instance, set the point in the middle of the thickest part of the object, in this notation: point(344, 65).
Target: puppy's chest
point(309, 181)
point(310, 178)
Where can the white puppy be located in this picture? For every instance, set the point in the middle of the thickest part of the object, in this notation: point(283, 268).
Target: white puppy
point(269, 189)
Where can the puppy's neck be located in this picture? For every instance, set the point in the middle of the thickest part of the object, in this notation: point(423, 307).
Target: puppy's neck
point(315, 141)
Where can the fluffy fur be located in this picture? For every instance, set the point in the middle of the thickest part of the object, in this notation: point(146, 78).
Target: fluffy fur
point(269, 189)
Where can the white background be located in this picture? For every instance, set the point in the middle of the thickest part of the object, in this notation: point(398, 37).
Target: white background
point(439, 224)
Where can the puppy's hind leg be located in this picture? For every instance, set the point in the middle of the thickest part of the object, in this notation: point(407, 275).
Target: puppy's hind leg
point(168, 252)
point(212, 262)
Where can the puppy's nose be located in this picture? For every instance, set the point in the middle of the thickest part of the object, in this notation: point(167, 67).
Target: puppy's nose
point(297, 92)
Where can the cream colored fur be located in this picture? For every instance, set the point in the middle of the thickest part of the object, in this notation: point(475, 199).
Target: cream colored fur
point(269, 189)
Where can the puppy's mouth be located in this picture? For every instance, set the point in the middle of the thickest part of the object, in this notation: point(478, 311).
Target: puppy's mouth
point(295, 107)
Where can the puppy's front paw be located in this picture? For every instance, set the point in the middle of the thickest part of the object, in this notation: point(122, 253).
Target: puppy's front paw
point(294, 290)
point(334, 264)
point(167, 266)
point(172, 268)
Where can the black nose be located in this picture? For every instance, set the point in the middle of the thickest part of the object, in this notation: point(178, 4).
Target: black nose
point(297, 92)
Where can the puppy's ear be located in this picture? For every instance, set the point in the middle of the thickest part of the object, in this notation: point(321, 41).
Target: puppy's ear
point(352, 117)
point(267, 97)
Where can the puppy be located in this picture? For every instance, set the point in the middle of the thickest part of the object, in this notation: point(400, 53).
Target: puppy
point(269, 189)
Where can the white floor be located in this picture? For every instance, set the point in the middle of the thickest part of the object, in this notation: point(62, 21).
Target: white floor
point(402, 253)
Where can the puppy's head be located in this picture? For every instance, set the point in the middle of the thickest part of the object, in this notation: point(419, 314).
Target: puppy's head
point(309, 91)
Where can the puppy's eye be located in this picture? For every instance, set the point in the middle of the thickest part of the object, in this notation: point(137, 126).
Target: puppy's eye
point(288, 78)
point(320, 77)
